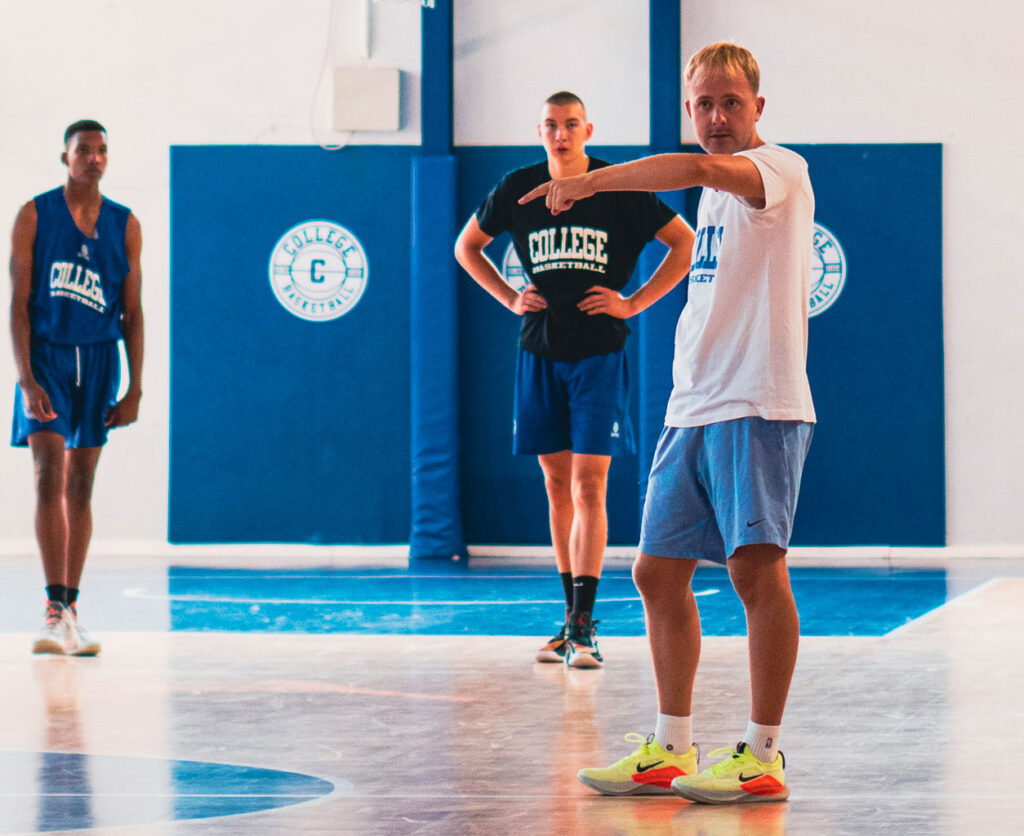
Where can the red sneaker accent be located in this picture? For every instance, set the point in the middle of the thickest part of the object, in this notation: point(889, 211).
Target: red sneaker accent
point(763, 785)
point(658, 777)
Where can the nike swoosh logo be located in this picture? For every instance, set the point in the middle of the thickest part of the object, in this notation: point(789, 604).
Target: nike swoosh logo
point(745, 778)
point(755, 522)
point(643, 767)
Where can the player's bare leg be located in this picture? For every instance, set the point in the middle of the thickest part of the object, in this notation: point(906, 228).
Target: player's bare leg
point(51, 525)
point(590, 513)
point(755, 769)
point(557, 468)
point(80, 473)
point(761, 578)
point(577, 486)
point(673, 628)
point(587, 543)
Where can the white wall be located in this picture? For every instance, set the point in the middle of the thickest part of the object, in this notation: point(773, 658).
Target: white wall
point(159, 73)
point(910, 71)
point(509, 57)
point(163, 72)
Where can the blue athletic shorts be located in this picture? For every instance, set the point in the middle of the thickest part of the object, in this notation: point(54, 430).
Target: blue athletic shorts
point(715, 488)
point(581, 406)
point(82, 382)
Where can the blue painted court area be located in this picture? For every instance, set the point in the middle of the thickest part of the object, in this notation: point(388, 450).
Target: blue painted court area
point(73, 791)
point(520, 601)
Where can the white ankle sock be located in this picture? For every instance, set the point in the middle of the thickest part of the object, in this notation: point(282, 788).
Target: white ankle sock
point(675, 734)
point(763, 741)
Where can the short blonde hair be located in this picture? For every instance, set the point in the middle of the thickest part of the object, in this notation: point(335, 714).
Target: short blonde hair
point(724, 56)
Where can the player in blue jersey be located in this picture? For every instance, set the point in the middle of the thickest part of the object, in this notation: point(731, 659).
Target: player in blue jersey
point(572, 382)
point(76, 293)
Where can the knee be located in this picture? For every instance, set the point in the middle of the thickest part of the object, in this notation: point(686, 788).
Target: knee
point(760, 580)
point(558, 488)
point(78, 490)
point(589, 492)
point(650, 581)
point(664, 586)
point(643, 578)
point(49, 483)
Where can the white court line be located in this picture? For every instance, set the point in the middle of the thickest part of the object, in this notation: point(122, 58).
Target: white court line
point(299, 796)
point(399, 576)
point(936, 611)
point(140, 593)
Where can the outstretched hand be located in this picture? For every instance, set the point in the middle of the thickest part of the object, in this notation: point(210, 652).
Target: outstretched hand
point(560, 195)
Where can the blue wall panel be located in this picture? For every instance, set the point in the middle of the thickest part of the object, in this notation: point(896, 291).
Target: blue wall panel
point(876, 471)
point(285, 430)
point(436, 526)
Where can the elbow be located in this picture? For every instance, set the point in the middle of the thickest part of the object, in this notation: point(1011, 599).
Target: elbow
point(131, 321)
point(462, 252)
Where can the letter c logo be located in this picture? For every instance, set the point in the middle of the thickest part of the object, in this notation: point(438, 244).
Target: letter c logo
point(313, 275)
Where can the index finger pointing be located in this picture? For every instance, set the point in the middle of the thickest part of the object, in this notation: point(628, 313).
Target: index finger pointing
point(540, 191)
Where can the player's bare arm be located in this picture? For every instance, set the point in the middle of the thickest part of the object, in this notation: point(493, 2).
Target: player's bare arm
point(660, 173)
point(469, 252)
point(35, 398)
point(126, 410)
point(678, 237)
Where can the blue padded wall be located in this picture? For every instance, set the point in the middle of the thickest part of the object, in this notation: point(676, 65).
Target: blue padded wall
point(436, 526)
point(876, 470)
point(285, 430)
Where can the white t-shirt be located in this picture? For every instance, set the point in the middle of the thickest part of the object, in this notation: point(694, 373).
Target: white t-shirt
point(741, 340)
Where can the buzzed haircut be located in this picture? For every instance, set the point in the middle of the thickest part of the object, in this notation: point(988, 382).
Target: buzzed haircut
point(725, 56)
point(82, 125)
point(563, 98)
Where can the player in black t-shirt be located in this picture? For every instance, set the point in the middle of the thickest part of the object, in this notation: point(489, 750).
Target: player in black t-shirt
point(572, 383)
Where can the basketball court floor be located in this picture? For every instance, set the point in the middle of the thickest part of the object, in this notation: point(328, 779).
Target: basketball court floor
point(243, 697)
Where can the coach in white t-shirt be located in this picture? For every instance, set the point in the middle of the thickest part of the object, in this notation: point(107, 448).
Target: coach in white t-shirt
point(726, 472)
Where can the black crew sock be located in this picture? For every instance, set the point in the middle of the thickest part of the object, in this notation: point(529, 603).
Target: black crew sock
point(567, 589)
point(584, 588)
point(72, 595)
point(56, 592)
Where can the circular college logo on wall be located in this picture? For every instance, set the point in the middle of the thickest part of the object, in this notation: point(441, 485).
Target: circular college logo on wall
point(828, 270)
point(512, 269)
point(318, 270)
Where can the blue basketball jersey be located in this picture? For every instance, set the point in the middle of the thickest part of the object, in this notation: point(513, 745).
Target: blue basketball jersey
point(76, 280)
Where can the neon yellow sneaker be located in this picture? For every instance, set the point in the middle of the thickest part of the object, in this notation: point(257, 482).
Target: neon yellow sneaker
point(648, 771)
point(738, 776)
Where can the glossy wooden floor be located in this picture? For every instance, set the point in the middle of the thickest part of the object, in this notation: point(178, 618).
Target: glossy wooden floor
point(915, 732)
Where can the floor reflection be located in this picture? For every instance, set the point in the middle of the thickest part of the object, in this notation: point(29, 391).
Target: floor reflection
point(64, 786)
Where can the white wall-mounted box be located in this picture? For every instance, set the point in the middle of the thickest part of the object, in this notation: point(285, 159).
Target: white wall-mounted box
point(367, 99)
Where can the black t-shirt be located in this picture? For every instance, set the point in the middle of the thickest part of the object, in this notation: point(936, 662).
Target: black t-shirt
point(596, 242)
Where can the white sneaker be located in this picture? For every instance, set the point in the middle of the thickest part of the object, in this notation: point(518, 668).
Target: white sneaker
point(53, 637)
point(80, 643)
